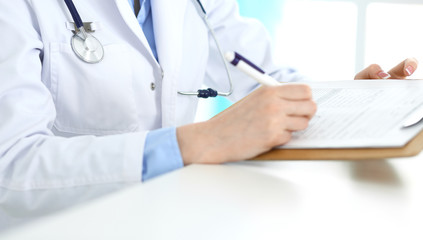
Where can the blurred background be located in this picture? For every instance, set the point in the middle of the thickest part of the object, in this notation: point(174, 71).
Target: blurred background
point(334, 39)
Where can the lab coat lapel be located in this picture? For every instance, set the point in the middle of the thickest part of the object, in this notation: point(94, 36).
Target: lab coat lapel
point(132, 22)
point(168, 20)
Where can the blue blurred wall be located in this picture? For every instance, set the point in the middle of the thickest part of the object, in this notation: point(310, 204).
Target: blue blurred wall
point(269, 13)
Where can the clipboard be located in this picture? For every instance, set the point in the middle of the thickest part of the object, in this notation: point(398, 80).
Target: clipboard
point(412, 148)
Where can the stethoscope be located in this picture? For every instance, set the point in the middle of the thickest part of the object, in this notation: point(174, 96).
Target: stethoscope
point(90, 50)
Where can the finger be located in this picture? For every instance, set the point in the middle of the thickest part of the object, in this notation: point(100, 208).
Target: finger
point(373, 71)
point(294, 92)
point(404, 69)
point(300, 108)
point(296, 123)
point(284, 138)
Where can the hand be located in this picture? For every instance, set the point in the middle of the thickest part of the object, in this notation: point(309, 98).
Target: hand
point(264, 119)
point(401, 71)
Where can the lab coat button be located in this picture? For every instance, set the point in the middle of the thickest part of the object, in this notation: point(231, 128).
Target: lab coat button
point(153, 86)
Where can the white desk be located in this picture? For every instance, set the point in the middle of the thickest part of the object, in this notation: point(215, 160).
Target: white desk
point(253, 200)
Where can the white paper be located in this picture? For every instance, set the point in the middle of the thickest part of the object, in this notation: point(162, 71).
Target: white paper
point(361, 114)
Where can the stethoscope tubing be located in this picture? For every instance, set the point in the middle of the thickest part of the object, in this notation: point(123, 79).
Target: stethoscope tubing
point(75, 15)
point(97, 56)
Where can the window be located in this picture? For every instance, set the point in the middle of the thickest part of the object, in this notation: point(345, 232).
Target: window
point(318, 38)
point(394, 32)
point(334, 39)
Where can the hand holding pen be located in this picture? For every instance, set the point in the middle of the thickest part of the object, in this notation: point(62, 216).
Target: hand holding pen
point(261, 121)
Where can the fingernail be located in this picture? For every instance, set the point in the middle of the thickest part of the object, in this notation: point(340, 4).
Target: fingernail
point(409, 70)
point(384, 75)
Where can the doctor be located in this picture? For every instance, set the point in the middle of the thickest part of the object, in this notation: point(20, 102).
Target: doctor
point(65, 122)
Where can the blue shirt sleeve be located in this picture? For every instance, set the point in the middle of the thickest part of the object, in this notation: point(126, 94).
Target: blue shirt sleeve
point(161, 153)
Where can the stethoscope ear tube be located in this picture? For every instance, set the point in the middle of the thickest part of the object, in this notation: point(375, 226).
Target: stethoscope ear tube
point(74, 13)
point(206, 93)
point(201, 6)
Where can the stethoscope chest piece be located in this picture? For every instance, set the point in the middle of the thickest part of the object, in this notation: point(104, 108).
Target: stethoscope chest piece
point(87, 47)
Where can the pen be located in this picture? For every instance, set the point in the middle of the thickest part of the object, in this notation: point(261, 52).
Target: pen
point(250, 69)
point(414, 118)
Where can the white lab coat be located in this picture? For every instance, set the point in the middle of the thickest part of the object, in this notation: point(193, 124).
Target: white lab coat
point(65, 123)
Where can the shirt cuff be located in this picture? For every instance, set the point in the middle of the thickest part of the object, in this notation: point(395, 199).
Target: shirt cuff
point(161, 153)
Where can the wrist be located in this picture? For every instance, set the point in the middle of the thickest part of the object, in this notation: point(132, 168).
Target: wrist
point(196, 143)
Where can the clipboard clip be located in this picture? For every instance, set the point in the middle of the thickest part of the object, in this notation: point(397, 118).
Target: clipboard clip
point(414, 118)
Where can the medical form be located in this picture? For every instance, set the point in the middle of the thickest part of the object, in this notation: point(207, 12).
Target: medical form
point(361, 114)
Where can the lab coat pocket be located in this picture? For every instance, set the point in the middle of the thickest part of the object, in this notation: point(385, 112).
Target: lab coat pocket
point(93, 99)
